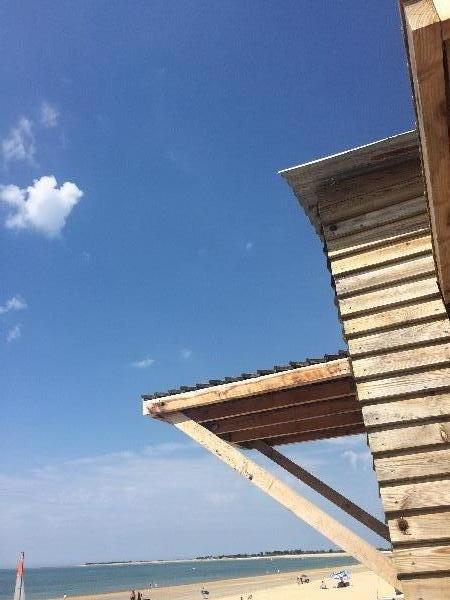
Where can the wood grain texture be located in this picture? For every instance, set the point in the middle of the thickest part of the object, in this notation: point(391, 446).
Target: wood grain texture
point(388, 297)
point(322, 434)
point(293, 501)
point(425, 47)
point(413, 465)
point(386, 275)
point(393, 251)
point(420, 333)
point(402, 360)
point(402, 498)
point(249, 387)
point(378, 236)
point(414, 436)
point(427, 588)
point(274, 400)
point(428, 527)
point(403, 315)
point(422, 559)
point(410, 207)
point(288, 414)
point(318, 424)
point(347, 198)
point(407, 383)
point(407, 410)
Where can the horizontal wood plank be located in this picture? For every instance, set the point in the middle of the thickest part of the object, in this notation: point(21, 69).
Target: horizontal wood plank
point(386, 275)
point(407, 410)
point(274, 400)
point(415, 496)
point(324, 434)
point(408, 383)
point(368, 220)
point(408, 314)
point(367, 239)
point(413, 465)
point(384, 254)
point(288, 414)
point(422, 559)
point(388, 297)
point(429, 331)
point(414, 436)
point(333, 369)
point(427, 588)
point(402, 360)
point(350, 197)
point(419, 528)
point(270, 432)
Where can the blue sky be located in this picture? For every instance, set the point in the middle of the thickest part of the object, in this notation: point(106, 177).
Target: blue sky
point(148, 242)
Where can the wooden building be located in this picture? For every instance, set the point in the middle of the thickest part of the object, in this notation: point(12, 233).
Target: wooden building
point(383, 213)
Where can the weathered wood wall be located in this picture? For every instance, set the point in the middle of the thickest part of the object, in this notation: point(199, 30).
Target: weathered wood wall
point(377, 236)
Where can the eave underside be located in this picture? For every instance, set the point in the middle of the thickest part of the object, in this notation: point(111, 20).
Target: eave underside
point(305, 404)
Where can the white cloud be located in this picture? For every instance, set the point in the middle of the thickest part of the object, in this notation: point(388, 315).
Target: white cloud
point(14, 303)
point(20, 145)
point(186, 353)
point(42, 206)
point(249, 246)
point(356, 458)
point(49, 115)
point(14, 333)
point(143, 364)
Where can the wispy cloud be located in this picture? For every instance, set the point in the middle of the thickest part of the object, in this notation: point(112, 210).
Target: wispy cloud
point(186, 353)
point(143, 364)
point(356, 458)
point(20, 144)
point(72, 504)
point(13, 304)
point(42, 207)
point(14, 333)
point(49, 115)
point(249, 246)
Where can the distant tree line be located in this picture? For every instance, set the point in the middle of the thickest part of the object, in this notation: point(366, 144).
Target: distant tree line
point(268, 553)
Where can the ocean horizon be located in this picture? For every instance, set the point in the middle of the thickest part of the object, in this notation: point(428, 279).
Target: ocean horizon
point(48, 583)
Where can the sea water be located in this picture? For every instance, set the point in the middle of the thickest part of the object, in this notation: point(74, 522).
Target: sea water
point(53, 582)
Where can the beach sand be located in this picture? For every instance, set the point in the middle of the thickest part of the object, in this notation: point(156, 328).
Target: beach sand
point(365, 585)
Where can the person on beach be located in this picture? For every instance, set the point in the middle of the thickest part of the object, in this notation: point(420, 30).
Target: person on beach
point(323, 585)
point(204, 592)
point(139, 596)
point(133, 595)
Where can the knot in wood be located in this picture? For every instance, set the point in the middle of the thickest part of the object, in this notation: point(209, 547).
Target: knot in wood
point(444, 434)
point(402, 524)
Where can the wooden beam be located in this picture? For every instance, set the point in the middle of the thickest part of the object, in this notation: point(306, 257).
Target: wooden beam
point(334, 369)
point(293, 501)
point(316, 424)
point(426, 52)
point(299, 396)
point(288, 414)
point(310, 436)
point(324, 490)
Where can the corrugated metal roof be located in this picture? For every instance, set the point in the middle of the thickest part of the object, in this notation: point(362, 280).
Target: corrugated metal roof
point(276, 369)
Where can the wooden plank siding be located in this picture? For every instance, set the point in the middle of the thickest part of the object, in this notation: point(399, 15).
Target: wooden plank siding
point(398, 333)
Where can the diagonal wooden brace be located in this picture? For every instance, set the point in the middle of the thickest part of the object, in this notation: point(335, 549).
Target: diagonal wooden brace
point(293, 501)
point(324, 490)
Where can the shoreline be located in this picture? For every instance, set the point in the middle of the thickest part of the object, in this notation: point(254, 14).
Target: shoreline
point(365, 585)
point(199, 560)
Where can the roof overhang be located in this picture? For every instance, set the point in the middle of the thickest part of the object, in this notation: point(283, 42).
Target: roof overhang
point(303, 404)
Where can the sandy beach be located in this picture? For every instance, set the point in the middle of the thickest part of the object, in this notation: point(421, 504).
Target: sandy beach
point(365, 585)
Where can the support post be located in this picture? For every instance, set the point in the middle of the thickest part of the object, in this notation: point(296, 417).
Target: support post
point(293, 501)
point(324, 490)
